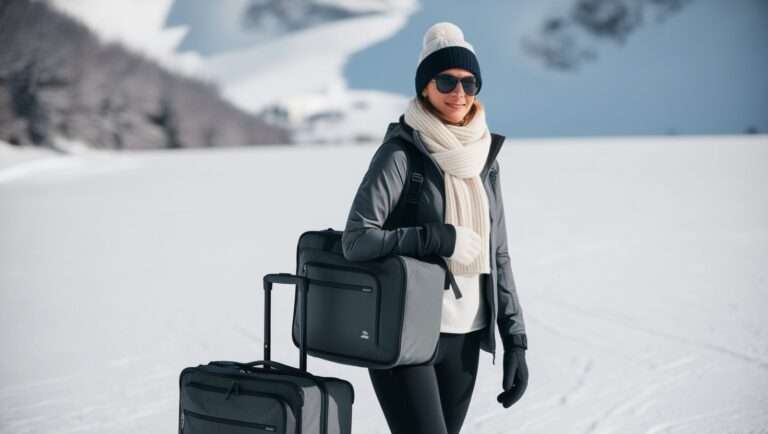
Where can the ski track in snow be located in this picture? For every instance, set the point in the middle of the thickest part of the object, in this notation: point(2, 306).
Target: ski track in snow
point(616, 321)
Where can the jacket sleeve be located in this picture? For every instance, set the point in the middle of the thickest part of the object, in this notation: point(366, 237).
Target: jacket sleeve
point(364, 237)
point(510, 313)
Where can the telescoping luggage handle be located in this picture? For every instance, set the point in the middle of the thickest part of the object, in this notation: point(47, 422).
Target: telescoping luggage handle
point(301, 285)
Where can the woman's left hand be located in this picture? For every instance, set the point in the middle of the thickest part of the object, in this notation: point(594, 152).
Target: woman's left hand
point(515, 375)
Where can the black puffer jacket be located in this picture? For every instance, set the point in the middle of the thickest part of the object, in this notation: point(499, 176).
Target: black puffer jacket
point(365, 238)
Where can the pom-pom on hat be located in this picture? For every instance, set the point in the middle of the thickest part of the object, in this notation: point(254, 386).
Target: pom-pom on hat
point(444, 48)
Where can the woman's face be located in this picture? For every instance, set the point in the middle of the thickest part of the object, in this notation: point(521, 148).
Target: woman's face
point(453, 106)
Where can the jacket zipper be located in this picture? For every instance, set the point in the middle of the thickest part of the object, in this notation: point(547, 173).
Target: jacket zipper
point(493, 287)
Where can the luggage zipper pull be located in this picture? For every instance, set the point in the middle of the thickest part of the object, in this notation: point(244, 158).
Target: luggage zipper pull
point(234, 387)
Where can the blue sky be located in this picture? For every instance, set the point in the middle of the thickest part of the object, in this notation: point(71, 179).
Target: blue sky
point(701, 71)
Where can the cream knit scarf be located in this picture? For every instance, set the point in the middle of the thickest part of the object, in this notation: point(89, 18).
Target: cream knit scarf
point(461, 152)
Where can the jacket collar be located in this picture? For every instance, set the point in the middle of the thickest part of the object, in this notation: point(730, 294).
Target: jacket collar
point(404, 131)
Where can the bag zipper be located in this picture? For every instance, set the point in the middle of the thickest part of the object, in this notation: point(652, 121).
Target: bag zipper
point(345, 286)
point(221, 420)
point(236, 390)
point(244, 375)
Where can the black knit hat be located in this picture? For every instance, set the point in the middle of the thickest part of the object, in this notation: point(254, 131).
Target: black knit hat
point(443, 48)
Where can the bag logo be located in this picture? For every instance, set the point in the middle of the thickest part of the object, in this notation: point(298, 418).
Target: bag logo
point(364, 335)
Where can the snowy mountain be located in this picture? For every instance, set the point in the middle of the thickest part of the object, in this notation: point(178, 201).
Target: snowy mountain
point(283, 58)
point(286, 59)
point(639, 66)
point(640, 265)
point(215, 27)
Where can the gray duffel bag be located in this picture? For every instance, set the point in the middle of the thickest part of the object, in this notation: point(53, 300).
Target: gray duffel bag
point(375, 314)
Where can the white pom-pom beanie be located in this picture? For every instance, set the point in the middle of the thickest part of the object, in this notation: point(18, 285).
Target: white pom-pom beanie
point(443, 48)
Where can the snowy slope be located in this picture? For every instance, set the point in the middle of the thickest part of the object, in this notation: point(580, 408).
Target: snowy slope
point(217, 27)
point(301, 75)
point(137, 24)
point(640, 265)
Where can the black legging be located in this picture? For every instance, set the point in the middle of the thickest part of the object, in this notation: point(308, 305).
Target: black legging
point(431, 399)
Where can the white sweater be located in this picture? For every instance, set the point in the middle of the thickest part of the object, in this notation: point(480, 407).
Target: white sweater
point(467, 314)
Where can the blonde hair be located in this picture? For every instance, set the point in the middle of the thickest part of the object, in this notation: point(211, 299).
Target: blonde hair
point(476, 106)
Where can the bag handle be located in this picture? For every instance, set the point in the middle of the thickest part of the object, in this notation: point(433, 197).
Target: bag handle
point(303, 287)
point(265, 363)
point(272, 364)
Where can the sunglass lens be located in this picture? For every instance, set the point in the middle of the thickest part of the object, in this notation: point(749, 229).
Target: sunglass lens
point(446, 83)
point(470, 85)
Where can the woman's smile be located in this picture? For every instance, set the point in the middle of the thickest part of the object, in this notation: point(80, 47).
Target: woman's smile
point(455, 106)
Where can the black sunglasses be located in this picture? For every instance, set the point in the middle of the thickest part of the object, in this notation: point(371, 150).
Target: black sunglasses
point(446, 83)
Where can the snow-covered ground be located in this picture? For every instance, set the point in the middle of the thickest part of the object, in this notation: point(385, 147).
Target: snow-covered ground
point(640, 263)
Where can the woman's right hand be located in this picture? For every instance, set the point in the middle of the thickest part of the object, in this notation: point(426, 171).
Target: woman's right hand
point(467, 245)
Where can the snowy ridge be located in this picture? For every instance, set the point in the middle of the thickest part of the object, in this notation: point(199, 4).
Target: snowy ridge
point(138, 24)
point(308, 93)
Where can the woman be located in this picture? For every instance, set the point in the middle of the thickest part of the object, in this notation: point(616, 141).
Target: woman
point(460, 216)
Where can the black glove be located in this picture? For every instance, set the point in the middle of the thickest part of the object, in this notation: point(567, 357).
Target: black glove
point(515, 369)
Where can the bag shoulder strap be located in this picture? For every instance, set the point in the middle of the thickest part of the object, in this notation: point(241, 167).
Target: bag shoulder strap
point(407, 206)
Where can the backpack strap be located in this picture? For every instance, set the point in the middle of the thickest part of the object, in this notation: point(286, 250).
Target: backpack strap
point(416, 178)
point(407, 207)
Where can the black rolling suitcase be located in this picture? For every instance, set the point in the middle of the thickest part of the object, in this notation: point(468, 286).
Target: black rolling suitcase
point(264, 396)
